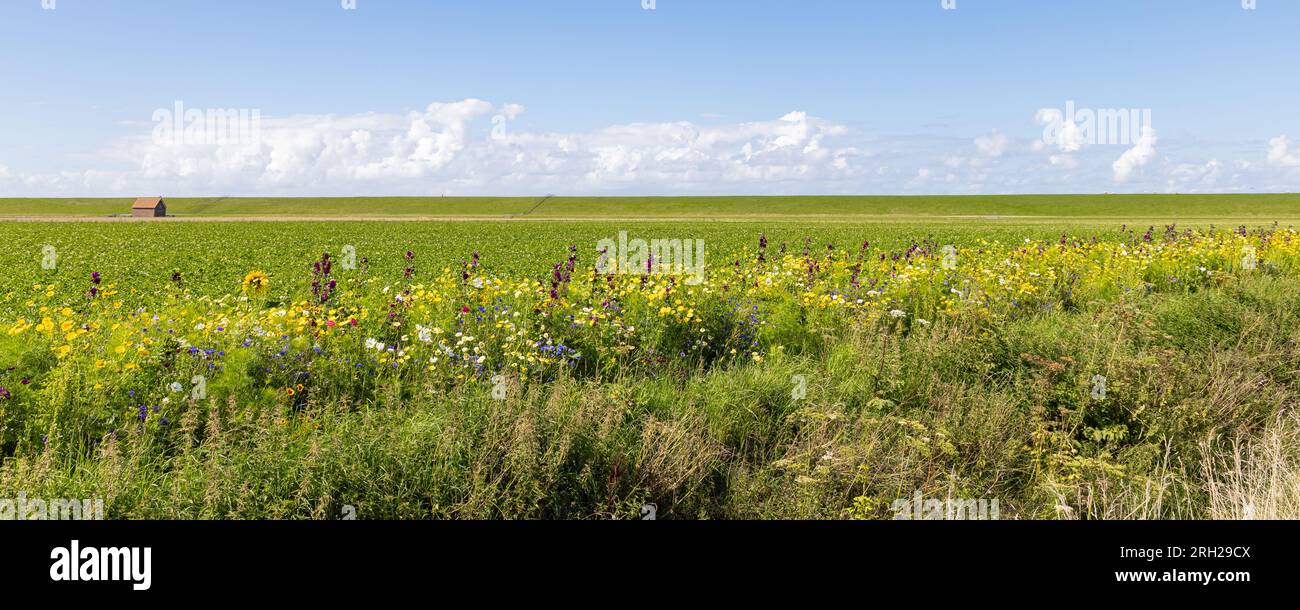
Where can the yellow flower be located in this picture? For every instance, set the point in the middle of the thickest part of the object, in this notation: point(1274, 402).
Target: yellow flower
point(256, 283)
point(19, 328)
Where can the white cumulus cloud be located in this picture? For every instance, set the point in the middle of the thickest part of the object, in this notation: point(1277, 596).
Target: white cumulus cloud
point(1280, 154)
point(465, 147)
point(1066, 135)
point(993, 145)
point(1143, 151)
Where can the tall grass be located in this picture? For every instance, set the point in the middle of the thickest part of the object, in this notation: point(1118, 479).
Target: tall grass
point(1257, 477)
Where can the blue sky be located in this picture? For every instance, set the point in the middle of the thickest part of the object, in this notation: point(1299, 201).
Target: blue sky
point(605, 97)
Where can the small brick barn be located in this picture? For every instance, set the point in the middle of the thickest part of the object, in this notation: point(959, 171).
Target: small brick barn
point(149, 207)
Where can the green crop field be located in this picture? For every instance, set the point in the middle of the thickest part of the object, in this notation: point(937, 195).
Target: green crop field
point(817, 357)
point(213, 256)
point(1185, 208)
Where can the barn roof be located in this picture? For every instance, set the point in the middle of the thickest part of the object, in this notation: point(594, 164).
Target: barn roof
point(146, 203)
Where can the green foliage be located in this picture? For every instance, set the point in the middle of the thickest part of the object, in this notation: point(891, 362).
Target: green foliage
point(884, 416)
point(962, 407)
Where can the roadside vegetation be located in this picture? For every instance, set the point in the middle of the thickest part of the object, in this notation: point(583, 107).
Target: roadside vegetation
point(1129, 373)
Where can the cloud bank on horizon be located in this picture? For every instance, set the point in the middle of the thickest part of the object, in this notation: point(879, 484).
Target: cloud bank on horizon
point(471, 147)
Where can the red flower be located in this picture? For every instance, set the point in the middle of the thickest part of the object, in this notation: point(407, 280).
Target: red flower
point(465, 309)
point(352, 322)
